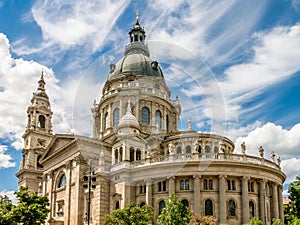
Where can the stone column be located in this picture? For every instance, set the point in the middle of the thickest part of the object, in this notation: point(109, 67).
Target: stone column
point(245, 200)
point(222, 200)
point(275, 201)
point(262, 200)
point(171, 185)
point(149, 192)
point(197, 198)
point(67, 207)
point(281, 215)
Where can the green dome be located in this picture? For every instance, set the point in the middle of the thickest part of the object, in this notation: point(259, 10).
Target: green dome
point(137, 64)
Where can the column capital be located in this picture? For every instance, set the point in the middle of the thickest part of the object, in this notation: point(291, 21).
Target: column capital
point(171, 178)
point(275, 184)
point(222, 176)
point(148, 181)
point(262, 181)
point(197, 176)
point(246, 178)
point(68, 164)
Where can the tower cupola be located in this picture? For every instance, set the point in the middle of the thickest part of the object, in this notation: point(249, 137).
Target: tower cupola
point(137, 37)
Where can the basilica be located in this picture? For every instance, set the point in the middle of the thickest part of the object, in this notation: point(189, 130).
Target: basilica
point(137, 154)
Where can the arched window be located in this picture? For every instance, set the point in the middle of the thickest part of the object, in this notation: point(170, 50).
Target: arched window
point(116, 155)
point(207, 149)
point(116, 117)
point(167, 123)
point(105, 121)
point(145, 116)
point(131, 154)
point(42, 121)
point(216, 149)
point(188, 149)
point(187, 185)
point(161, 205)
point(138, 154)
point(182, 185)
point(158, 118)
point(185, 202)
point(179, 150)
point(209, 208)
point(62, 181)
point(121, 154)
point(231, 208)
point(117, 204)
point(251, 209)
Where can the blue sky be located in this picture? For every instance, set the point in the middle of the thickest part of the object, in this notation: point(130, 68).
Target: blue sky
point(233, 64)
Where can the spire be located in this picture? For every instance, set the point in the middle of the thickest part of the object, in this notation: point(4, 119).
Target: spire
point(41, 87)
point(137, 17)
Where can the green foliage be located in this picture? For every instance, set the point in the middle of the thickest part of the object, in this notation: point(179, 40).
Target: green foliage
point(293, 209)
point(32, 209)
point(294, 221)
point(175, 213)
point(130, 215)
point(5, 211)
point(255, 221)
point(276, 222)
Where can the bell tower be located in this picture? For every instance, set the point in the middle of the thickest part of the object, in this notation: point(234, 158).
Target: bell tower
point(37, 136)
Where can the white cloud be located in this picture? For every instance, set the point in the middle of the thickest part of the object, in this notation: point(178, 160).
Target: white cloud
point(77, 22)
point(291, 167)
point(276, 58)
point(285, 143)
point(18, 79)
point(5, 160)
point(10, 195)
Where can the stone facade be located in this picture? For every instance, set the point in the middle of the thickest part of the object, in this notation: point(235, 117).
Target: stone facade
point(138, 155)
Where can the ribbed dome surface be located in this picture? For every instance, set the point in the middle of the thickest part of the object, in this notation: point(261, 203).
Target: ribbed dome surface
point(137, 64)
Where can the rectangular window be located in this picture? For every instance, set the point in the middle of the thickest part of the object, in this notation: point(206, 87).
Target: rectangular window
point(210, 184)
point(205, 186)
point(164, 185)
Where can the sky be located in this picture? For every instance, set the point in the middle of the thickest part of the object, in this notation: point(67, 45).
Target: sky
point(233, 64)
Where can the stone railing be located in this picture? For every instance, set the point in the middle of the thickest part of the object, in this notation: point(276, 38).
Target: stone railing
point(220, 157)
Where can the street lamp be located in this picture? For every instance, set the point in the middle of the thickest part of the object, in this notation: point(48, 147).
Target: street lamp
point(89, 183)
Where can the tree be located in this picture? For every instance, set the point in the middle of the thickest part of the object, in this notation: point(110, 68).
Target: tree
point(276, 222)
point(294, 221)
point(294, 191)
point(130, 215)
point(5, 211)
point(31, 209)
point(175, 213)
point(255, 221)
point(203, 220)
point(293, 209)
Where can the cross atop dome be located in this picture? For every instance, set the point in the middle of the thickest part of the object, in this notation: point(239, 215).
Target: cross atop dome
point(137, 17)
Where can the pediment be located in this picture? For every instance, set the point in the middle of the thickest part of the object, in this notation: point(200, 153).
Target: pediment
point(58, 144)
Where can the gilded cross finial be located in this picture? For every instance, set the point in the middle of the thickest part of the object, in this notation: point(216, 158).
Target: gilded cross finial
point(137, 16)
point(42, 74)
